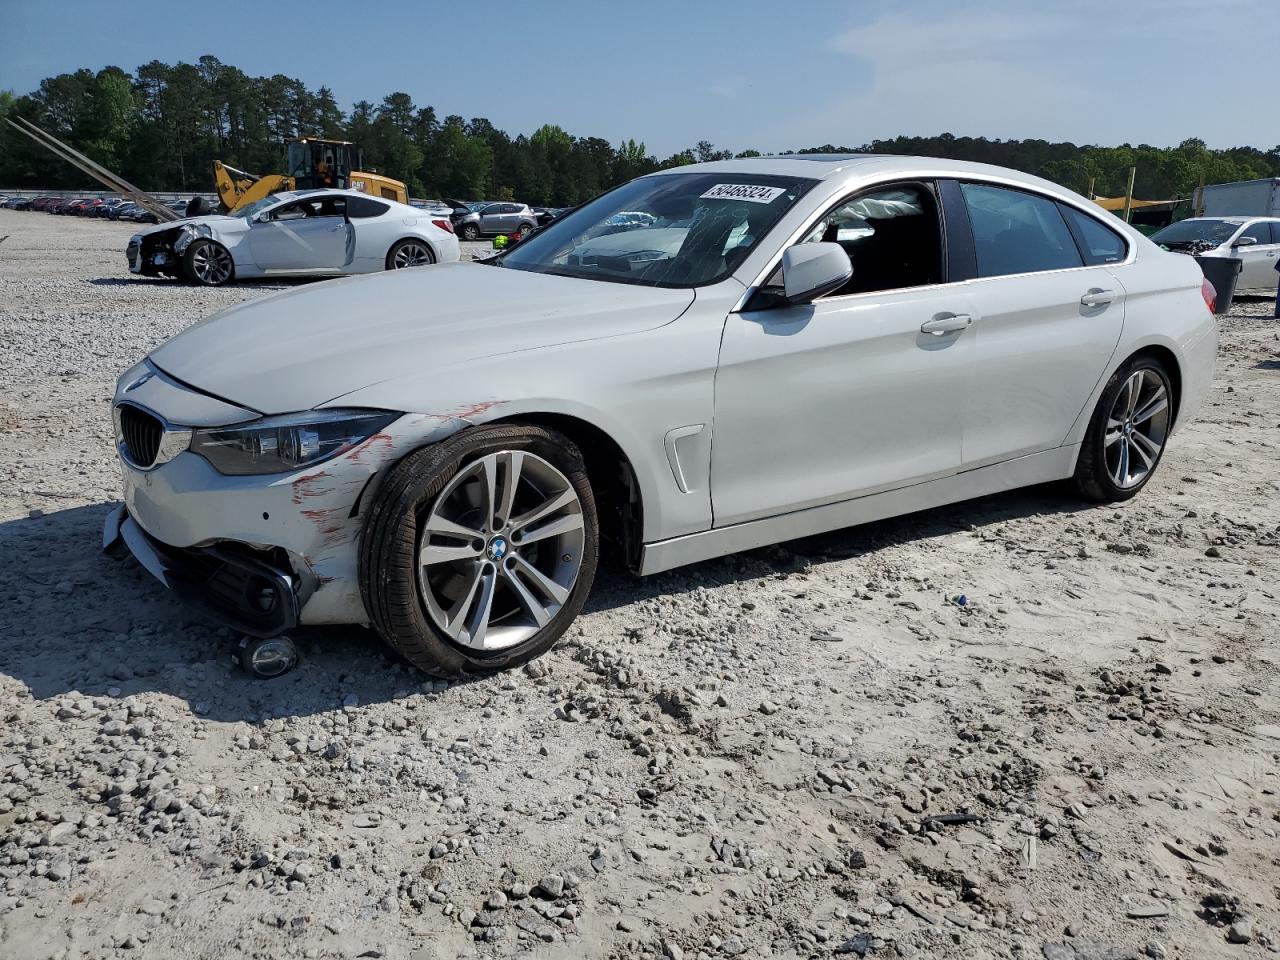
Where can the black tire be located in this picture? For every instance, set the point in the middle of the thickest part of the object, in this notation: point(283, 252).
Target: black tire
point(198, 207)
point(196, 249)
point(401, 244)
point(1092, 477)
point(389, 543)
point(470, 231)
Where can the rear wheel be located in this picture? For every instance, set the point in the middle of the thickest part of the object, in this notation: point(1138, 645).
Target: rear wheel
point(410, 253)
point(479, 552)
point(1127, 435)
point(208, 263)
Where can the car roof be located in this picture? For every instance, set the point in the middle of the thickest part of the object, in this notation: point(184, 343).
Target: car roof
point(852, 167)
point(319, 192)
point(1232, 218)
point(824, 166)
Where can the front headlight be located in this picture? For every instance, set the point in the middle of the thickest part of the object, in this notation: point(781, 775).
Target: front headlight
point(279, 444)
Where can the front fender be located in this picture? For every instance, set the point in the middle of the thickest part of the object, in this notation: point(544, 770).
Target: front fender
point(639, 389)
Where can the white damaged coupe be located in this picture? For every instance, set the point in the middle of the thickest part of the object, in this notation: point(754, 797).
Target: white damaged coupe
point(302, 233)
point(781, 346)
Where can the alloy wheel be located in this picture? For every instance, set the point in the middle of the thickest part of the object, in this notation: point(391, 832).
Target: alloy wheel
point(1137, 428)
point(411, 255)
point(499, 550)
point(211, 264)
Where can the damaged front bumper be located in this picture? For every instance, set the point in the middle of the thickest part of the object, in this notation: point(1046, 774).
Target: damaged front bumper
point(248, 594)
point(153, 253)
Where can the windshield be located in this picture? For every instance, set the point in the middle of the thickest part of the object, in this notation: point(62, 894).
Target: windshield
point(1191, 231)
point(249, 209)
point(668, 230)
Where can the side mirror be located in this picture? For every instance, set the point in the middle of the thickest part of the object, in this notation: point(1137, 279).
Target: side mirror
point(1245, 242)
point(261, 217)
point(810, 270)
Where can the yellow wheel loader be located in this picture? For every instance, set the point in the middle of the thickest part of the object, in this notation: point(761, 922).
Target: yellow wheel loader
point(312, 163)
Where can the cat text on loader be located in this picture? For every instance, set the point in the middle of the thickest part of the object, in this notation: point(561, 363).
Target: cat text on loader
point(312, 163)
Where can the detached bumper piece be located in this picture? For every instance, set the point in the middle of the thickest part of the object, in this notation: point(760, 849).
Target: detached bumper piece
point(242, 592)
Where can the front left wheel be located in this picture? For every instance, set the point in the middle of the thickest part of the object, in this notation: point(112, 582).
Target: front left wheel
point(208, 263)
point(479, 552)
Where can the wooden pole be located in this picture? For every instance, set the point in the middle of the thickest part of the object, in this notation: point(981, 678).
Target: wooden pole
point(1128, 194)
point(1089, 192)
point(1197, 208)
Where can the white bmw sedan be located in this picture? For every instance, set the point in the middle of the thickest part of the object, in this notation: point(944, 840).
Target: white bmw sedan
point(784, 346)
point(302, 233)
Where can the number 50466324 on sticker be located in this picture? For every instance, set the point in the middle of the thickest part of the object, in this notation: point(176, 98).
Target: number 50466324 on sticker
point(752, 193)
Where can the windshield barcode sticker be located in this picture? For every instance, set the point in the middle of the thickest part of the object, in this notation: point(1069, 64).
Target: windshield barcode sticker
point(744, 191)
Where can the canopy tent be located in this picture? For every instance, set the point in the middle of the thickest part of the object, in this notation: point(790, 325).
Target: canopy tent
point(1115, 204)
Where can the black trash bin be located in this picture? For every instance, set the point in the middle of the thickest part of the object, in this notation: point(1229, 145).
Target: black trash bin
point(1222, 273)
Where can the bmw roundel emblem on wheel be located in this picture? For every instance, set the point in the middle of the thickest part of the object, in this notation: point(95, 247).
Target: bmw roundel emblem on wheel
point(708, 359)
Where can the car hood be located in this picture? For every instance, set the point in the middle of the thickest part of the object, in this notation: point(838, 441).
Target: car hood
point(303, 347)
point(216, 221)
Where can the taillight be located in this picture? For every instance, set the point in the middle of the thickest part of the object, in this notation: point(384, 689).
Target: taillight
point(444, 225)
point(1210, 295)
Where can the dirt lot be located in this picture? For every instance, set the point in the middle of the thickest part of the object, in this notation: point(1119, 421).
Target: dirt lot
point(762, 756)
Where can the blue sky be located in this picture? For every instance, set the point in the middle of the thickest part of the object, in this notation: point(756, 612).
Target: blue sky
point(744, 74)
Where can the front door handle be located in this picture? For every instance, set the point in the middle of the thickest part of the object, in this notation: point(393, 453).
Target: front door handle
point(1097, 297)
point(943, 324)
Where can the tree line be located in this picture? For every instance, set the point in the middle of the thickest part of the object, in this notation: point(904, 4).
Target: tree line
point(162, 125)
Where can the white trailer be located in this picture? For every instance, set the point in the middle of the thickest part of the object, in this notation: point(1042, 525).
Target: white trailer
point(1245, 198)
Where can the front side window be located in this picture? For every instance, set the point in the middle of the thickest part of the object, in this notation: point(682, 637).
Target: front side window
point(1017, 232)
point(1258, 232)
point(1101, 244)
point(679, 229)
point(318, 207)
point(891, 235)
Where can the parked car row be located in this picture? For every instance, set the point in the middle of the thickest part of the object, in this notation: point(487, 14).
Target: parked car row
point(108, 208)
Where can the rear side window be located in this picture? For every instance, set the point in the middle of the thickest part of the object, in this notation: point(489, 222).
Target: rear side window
point(361, 207)
point(1017, 232)
point(1100, 243)
point(1275, 231)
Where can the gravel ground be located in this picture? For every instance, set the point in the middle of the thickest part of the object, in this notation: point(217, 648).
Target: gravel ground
point(802, 751)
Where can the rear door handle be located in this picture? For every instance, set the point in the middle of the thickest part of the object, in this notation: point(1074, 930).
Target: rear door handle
point(1097, 297)
point(941, 325)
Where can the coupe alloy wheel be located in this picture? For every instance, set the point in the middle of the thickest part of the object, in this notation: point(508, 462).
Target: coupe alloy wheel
point(1137, 428)
point(411, 255)
point(499, 550)
point(211, 264)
